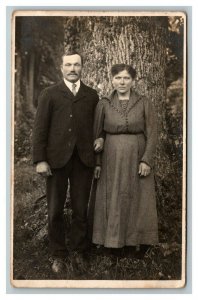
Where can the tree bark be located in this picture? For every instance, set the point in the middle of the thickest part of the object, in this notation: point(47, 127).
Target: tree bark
point(139, 41)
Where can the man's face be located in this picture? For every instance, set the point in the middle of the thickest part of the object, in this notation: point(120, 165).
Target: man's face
point(71, 67)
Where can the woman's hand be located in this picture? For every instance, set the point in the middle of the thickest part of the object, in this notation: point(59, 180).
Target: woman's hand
point(144, 169)
point(97, 172)
point(98, 145)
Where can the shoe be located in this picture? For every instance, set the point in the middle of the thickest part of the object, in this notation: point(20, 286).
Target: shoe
point(116, 252)
point(141, 251)
point(80, 261)
point(129, 251)
point(58, 265)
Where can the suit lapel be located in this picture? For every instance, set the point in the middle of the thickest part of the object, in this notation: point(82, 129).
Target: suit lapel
point(66, 90)
point(81, 92)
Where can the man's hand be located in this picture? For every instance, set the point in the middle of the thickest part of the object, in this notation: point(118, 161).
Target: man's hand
point(97, 172)
point(144, 169)
point(98, 145)
point(43, 169)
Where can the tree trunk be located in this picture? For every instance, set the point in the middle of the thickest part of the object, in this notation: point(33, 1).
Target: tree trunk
point(30, 83)
point(139, 41)
point(17, 102)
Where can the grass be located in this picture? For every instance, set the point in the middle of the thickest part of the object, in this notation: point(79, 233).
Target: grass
point(31, 258)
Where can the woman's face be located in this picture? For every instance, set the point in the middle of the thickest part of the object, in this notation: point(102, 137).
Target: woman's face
point(122, 82)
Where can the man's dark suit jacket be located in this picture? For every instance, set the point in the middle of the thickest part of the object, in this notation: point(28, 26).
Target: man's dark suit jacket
point(63, 121)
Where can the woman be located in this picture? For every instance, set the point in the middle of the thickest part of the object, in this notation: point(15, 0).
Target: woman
point(125, 131)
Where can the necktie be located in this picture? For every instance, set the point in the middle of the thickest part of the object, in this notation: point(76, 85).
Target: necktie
point(74, 92)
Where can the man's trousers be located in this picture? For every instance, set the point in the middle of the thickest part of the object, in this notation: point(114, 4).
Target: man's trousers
point(80, 177)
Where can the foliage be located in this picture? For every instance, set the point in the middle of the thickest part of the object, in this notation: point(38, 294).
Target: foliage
point(39, 46)
point(169, 175)
point(23, 138)
point(175, 44)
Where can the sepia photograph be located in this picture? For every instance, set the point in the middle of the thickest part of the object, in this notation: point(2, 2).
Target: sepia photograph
point(98, 160)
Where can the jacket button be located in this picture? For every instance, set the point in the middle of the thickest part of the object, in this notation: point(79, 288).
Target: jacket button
point(69, 129)
point(71, 116)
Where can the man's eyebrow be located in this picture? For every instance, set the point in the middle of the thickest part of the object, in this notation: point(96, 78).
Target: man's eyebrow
point(76, 63)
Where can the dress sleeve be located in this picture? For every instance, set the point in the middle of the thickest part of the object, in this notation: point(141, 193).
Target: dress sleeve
point(99, 121)
point(99, 128)
point(151, 133)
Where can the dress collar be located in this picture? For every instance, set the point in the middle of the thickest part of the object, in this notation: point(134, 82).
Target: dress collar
point(113, 99)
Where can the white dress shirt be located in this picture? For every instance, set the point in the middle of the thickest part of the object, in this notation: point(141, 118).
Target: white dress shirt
point(69, 84)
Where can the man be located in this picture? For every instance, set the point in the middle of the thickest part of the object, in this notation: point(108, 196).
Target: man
point(62, 150)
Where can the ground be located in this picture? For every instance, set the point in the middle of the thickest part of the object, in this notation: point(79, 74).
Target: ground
point(31, 258)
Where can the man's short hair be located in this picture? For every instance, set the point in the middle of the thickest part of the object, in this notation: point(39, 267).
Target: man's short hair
point(72, 52)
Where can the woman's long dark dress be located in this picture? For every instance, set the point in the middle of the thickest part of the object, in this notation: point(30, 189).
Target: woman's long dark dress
point(125, 208)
